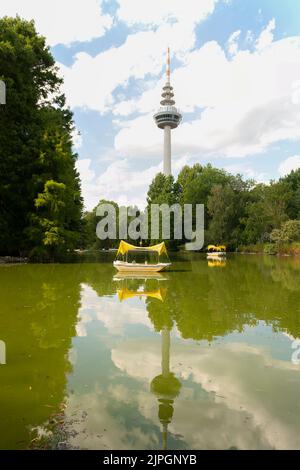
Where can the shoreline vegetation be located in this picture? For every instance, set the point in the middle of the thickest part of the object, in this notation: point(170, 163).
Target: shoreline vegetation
point(42, 218)
point(290, 250)
point(13, 260)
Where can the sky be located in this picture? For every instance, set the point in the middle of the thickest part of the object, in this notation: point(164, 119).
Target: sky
point(235, 69)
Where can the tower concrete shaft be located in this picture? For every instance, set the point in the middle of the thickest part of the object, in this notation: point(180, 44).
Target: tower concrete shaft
point(167, 151)
point(167, 117)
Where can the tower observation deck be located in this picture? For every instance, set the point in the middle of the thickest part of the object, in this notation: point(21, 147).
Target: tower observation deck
point(167, 117)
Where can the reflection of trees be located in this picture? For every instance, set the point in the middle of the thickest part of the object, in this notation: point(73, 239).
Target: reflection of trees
point(205, 303)
point(99, 277)
point(37, 325)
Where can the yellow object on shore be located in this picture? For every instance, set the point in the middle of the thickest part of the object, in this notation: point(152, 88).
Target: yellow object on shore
point(124, 247)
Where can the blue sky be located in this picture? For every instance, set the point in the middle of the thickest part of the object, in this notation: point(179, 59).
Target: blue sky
point(235, 72)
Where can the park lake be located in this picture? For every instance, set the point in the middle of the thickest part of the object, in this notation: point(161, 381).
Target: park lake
point(203, 356)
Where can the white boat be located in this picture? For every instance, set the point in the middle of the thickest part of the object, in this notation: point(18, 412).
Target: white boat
point(133, 267)
point(124, 266)
point(216, 254)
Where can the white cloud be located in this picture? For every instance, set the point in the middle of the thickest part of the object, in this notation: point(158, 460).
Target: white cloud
point(86, 174)
point(266, 36)
point(84, 318)
point(89, 188)
point(291, 163)
point(233, 42)
point(156, 11)
point(77, 139)
point(61, 21)
point(296, 92)
point(125, 185)
point(249, 37)
point(91, 81)
point(115, 315)
point(247, 171)
point(247, 103)
point(120, 182)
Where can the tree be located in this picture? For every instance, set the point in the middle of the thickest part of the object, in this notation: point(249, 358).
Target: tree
point(289, 232)
point(91, 219)
point(35, 144)
point(185, 178)
point(221, 208)
point(292, 180)
point(266, 211)
point(196, 184)
point(163, 190)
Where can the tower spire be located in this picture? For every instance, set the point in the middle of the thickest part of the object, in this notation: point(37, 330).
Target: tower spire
point(168, 71)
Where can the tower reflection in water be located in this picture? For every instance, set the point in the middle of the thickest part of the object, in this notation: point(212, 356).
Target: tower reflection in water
point(165, 386)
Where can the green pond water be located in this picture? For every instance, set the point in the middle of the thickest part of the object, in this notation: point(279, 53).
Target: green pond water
point(202, 357)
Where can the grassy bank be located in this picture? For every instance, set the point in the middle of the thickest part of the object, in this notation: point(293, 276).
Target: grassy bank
point(291, 249)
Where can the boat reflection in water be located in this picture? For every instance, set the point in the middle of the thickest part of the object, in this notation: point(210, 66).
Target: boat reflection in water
point(216, 262)
point(165, 386)
point(135, 285)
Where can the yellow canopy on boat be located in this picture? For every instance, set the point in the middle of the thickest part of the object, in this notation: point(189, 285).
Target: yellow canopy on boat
point(124, 247)
point(211, 247)
point(221, 248)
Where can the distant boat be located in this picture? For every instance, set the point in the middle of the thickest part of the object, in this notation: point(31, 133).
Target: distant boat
point(216, 251)
point(124, 265)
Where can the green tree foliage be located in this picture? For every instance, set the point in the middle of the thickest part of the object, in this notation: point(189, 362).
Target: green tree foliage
point(292, 182)
point(288, 232)
point(221, 207)
point(164, 190)
point(40, 202)
point(196, 183)
point(91, 219)
point(266, 211)
point(237, 211)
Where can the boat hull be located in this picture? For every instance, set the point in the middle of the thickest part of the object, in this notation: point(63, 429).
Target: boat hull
point(122, 267)
point(216, 254)
point(141, 276)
